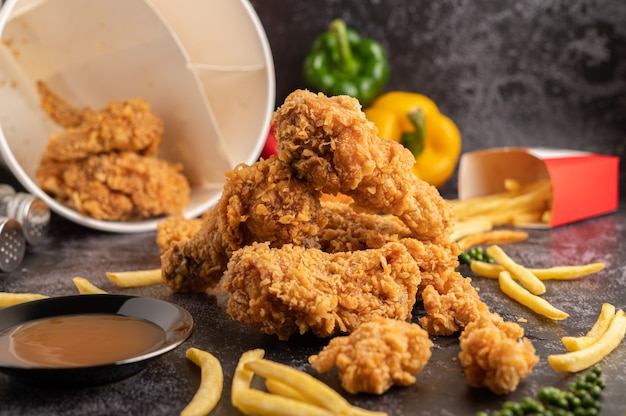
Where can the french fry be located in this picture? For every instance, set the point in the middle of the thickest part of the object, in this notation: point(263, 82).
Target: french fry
point(136, 278)
point(526, 298)
point(211, 383)
point(10, 299)
point(242, 377)
point(492, 237)
point(314, 390)
point(471, 226)
point(575, 361)
point(552, 273)
point(259, 403)
point(85, 287)
point(521, 273)
point(278, 387)
point(519, 205)
point(597, 330)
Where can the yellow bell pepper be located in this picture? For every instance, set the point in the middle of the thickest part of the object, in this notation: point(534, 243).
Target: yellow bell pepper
point(415, 121)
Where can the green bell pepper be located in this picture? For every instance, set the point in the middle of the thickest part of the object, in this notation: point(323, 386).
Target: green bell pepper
point(343, 63)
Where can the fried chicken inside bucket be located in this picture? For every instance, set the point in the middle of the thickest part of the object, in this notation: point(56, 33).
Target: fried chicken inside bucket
point(290, 263)
point(104, 163)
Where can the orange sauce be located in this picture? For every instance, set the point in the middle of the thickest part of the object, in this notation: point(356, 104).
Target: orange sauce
point(79, 340)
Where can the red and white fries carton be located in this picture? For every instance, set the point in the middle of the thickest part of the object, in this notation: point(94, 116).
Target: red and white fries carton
point(584, 185)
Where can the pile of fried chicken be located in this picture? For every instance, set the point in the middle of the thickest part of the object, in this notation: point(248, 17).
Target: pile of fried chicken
point(292, 261)
point(104, 164)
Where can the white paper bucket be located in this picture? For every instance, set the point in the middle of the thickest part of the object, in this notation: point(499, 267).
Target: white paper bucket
point(204, 66)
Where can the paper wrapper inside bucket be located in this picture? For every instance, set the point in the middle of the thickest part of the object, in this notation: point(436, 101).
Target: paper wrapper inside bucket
point(584, 185)
point(204, 66)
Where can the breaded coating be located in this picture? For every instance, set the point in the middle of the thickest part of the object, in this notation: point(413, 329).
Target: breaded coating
point(495, 354)
point(377, 355)
point(330, 143)
point(348, 230)
point(117, 186)
point(177, 228)
point(196, 264)
point(121, 126)
point(450, 304)
point(293, 289)
point(261, 202)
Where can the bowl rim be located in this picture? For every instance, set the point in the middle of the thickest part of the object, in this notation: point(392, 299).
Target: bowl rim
point(176, 322)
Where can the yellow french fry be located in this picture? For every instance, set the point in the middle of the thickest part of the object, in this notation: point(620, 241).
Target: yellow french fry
point(526, 298)
point(521, 273)
point(492, 237)
point(242, 377)
point(10, 299)
point(259, 403)
point(136, 278)
point(607, 313)
point(314, 390)
point(282, 389)
point(211, 383)
point(575, 361)
point(85, 287)
point(552, 273)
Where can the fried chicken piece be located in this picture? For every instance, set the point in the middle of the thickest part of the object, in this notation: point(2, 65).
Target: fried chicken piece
point(495, 354)
point(198, 263)
point(117, 186)
point(294, 289)
point(348, 230)
point(260, 202)
point(177, 228)
point(377, 355)
point(125, 125)
point(330, 143)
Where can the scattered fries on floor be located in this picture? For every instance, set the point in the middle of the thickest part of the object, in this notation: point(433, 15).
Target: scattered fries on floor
point(603, 345)
point(536, 303)
point(521, 273)
point(607, 313)
point(136, 278)
point(492, 237)
point(492, 271)
point(10, 299)
point(85, 287)
point(291, 391)
point(211, 383)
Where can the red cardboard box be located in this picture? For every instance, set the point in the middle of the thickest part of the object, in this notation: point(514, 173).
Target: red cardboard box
point(584, 185)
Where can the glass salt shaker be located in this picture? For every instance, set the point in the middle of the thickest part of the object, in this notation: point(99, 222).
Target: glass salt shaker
point(30, 212)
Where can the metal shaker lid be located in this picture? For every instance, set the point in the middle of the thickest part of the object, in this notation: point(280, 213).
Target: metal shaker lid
point(32, 213)
point(12, 244)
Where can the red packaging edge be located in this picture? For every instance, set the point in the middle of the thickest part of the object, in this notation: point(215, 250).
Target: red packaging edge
point(584, 185)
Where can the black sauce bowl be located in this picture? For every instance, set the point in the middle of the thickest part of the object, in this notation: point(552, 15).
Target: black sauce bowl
point(175, 321)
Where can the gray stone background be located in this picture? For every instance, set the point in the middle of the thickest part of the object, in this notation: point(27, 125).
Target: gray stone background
point(548, 73)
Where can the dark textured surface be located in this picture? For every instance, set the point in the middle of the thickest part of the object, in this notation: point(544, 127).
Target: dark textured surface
point(509, 73)
point(523, 73)
point(167, 384)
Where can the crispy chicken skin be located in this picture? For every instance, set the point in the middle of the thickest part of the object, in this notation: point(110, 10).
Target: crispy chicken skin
point(330, 143)
point(377, 355)
point(290, 264)
point(261, 202)
point(117, 186)
point(495, 354)
point(104, 164)
point(295, 289)
point(125, 125)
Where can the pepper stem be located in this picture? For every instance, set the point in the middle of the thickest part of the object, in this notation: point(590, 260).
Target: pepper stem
point(414, 140)
point(346, 60)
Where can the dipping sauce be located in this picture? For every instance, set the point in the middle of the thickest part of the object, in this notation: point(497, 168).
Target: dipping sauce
point(79, 340)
